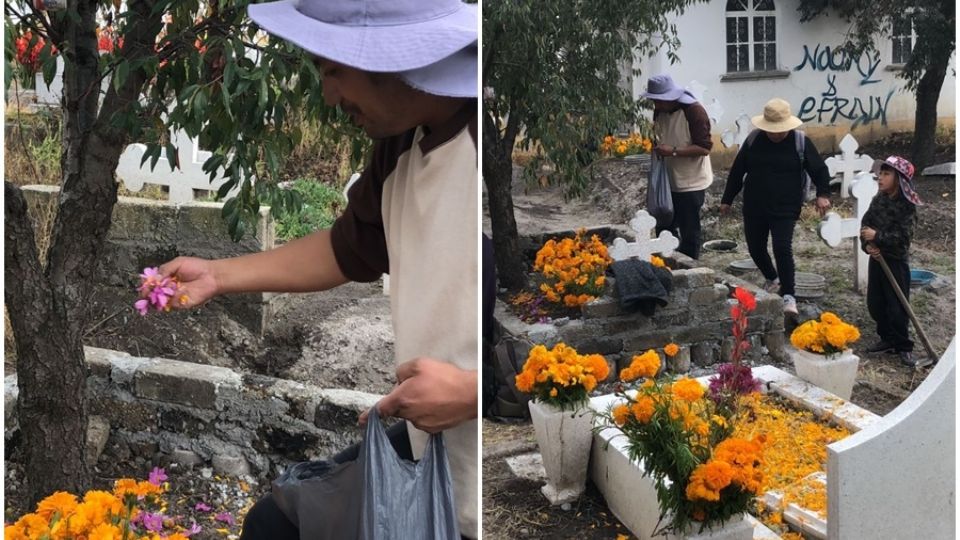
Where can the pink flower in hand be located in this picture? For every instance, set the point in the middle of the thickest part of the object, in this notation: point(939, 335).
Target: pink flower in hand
point(157, 291)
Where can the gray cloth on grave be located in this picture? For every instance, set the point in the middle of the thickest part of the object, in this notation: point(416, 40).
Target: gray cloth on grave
point(641, 285)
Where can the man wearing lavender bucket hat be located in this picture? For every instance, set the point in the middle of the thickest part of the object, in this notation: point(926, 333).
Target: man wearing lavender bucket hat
point(406, 73)
point(683, 129)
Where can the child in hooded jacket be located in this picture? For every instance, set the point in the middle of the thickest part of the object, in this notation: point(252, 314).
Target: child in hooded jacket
point(886, 230)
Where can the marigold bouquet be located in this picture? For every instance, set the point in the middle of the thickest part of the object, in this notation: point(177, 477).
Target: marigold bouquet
point(560, 376)
point(573, 269)
point(626, 146)
point(133, 510)
point(682, 436)
point(828, 336)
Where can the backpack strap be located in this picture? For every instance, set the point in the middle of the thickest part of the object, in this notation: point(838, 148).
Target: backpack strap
point(800, 140)
point(748, 142)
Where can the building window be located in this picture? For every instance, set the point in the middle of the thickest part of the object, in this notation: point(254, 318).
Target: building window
point(751, 36)
point(903, 38)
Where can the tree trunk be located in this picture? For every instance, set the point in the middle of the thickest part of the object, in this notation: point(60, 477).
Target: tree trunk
point(498, 177)
point(925, 119)
point(46, 306)
point(50, 369)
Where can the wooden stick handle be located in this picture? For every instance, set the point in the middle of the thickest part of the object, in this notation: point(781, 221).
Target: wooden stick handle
point(906, 305)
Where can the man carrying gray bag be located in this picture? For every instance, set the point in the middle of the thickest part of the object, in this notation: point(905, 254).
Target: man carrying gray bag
point(405, 71)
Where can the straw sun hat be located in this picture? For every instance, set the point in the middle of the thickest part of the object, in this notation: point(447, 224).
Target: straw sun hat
point(776, 117)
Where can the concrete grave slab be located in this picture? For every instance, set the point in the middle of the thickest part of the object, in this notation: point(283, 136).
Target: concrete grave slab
point(943, 169)
point(896, 478)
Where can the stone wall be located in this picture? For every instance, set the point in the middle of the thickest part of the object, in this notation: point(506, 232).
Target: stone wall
point(696, 317)
point(147, 232)
point(167, 410)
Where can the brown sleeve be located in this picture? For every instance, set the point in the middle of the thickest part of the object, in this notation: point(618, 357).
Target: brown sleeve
point(699, 123)
point(358, 238)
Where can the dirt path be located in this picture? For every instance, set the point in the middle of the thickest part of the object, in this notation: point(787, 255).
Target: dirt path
point(514, 508)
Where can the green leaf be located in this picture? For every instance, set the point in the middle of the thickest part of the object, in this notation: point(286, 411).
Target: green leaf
point(120, 75)
point(49, 70)
point(173, 157)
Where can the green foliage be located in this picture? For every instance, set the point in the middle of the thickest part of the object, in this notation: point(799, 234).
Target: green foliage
point(555, 71)
point(321, 205)
point(212, 73)
point(934, 22)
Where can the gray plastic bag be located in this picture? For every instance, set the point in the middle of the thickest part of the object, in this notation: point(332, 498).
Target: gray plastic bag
point(378, 496)
point(659, 198)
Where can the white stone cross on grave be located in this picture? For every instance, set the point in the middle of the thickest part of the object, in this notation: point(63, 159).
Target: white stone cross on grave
point(182, 181)
point(833, 229)
point(643, 224)
point(848, 163)
point(744, 127)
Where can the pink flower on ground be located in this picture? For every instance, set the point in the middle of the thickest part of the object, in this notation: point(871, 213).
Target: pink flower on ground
point(202, 507)
point(142, 306)
point(225, 517)
point(152, 522)
point(157, 476)
point(194, 529)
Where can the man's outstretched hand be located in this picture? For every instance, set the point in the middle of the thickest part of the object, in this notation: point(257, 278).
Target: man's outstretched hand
point(431, 394)
point(197, 279)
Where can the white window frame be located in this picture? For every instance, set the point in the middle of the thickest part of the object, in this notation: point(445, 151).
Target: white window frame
point(908, 14)
point(751, 14)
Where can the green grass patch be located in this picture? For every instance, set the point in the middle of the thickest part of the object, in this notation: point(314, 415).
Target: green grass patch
point(321, 206)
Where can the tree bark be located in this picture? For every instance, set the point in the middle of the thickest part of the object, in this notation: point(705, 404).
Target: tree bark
point(46, 307)
point(498, 177)
point(50, 371)
point(925, 118)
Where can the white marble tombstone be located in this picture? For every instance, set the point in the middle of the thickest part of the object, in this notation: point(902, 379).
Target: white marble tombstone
point(895, 478)
point(643, 224)
point(181, 181)
point(848, 163)
point(833, 229)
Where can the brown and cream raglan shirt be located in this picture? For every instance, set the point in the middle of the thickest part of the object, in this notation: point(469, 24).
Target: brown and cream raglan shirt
point(413, 214)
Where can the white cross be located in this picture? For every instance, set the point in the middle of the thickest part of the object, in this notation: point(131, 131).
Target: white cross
point(848, 163)
point(643, 224)
point(833, 229)
point(182, 181)
point(736, 138)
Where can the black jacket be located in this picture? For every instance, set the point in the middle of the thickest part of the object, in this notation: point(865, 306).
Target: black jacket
point(773, 186)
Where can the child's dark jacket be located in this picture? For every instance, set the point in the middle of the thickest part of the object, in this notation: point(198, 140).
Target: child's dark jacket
point(893, 219)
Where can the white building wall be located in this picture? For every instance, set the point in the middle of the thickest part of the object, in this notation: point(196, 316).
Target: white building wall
point(832, 98)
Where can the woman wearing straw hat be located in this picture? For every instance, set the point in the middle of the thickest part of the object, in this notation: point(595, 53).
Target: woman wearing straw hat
point(773, 192)
point(683, 127)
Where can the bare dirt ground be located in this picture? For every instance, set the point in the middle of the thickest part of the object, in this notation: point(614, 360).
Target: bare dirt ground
point(514, 508)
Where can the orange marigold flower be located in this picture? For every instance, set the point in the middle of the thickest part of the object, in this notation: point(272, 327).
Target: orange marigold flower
point(60, 502)
point(620, 413)
point(643, 409)
point(644, 365)
point(688, 389)
point(671, 349)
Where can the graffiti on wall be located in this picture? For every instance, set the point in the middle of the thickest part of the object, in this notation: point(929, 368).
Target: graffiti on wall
point(826, 58)
point(831, 104)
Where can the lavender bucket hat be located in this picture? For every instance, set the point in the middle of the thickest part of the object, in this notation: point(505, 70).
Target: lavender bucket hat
point(663, 88)
point(431, 44)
